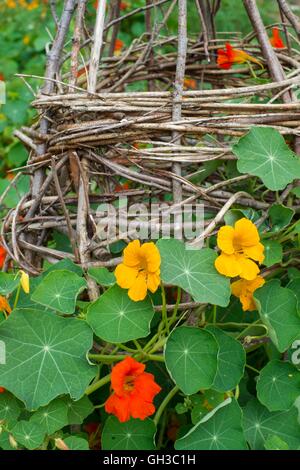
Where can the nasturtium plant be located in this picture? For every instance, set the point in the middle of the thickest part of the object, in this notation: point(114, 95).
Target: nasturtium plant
point(8, 283)
point(147, 339)
point(114, 317)
point(259, 424)
point(51, 417)
point(279, 312)
point(78, 410)
point(28, 434)
point(132, 435)
point(59, 290)
point(221, 429)
point(10, 408)
point(273, 252)
point(43, 349)
point(103, 276)
point(231, 360)
point(278, 385)
point(194, 272)
point(191, 358)
point(263, 152)
point(76, 443)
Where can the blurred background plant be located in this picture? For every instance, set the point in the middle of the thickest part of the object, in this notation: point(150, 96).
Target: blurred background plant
point(26, 32)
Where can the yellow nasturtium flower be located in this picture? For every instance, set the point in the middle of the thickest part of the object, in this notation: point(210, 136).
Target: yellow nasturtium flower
point(244, 291)
point(24, 281)
point(140, 269)
point(240, 247)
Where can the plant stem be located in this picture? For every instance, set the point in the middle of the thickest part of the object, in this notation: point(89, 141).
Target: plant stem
point(173, 317)
point(164, 403)
point(17, 297)
point(164, 309)
point(119, 357)
point(95, 386)
point(214, 315)
point(253, 368)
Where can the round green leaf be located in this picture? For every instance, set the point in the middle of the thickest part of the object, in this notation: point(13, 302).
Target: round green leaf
point(10, 409)
point(8, 283)
point(259, 424)
point(45, 356)
point(59, 291)
point(278, 385)
point(132, 435)
point(277, 307)
point(52, 417)
point(76, 443)
point(231, 361)
point(193, 271)
point(273, 252)
point(103, 276)
point(280, 216)
point(220, 429)
point(191, 358)
point(294, 285)
point(79, 410)
point(114, 317)
point(263, 152)
point(28, 434)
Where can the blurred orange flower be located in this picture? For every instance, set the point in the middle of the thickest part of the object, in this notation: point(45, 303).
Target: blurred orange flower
point(118, 46)
point(189, 83)
point(276, 40)
point(122, 187)
point(2, 256)
point(134, 391)
point(4, 305)
point(229, 56)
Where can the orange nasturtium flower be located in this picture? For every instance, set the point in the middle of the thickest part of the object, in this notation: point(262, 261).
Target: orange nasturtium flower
point(229, 56)
point(2, 256)
point(29, 4)
point(140, 269)
point(240, 246)
point(4, 305)
point(276, 40)
point(134, 391)
point(2, 390)
point(244, 290)
point(189, 84)
point(118, 46)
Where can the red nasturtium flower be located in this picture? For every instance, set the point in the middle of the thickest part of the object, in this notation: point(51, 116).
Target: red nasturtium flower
point(2, 77)
point(276, 40)
point(133, 391)
point(2, 256)
point(229, 56)
point(2, 390)
point(118, 46)
point(124, 5)
point(122, 187)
